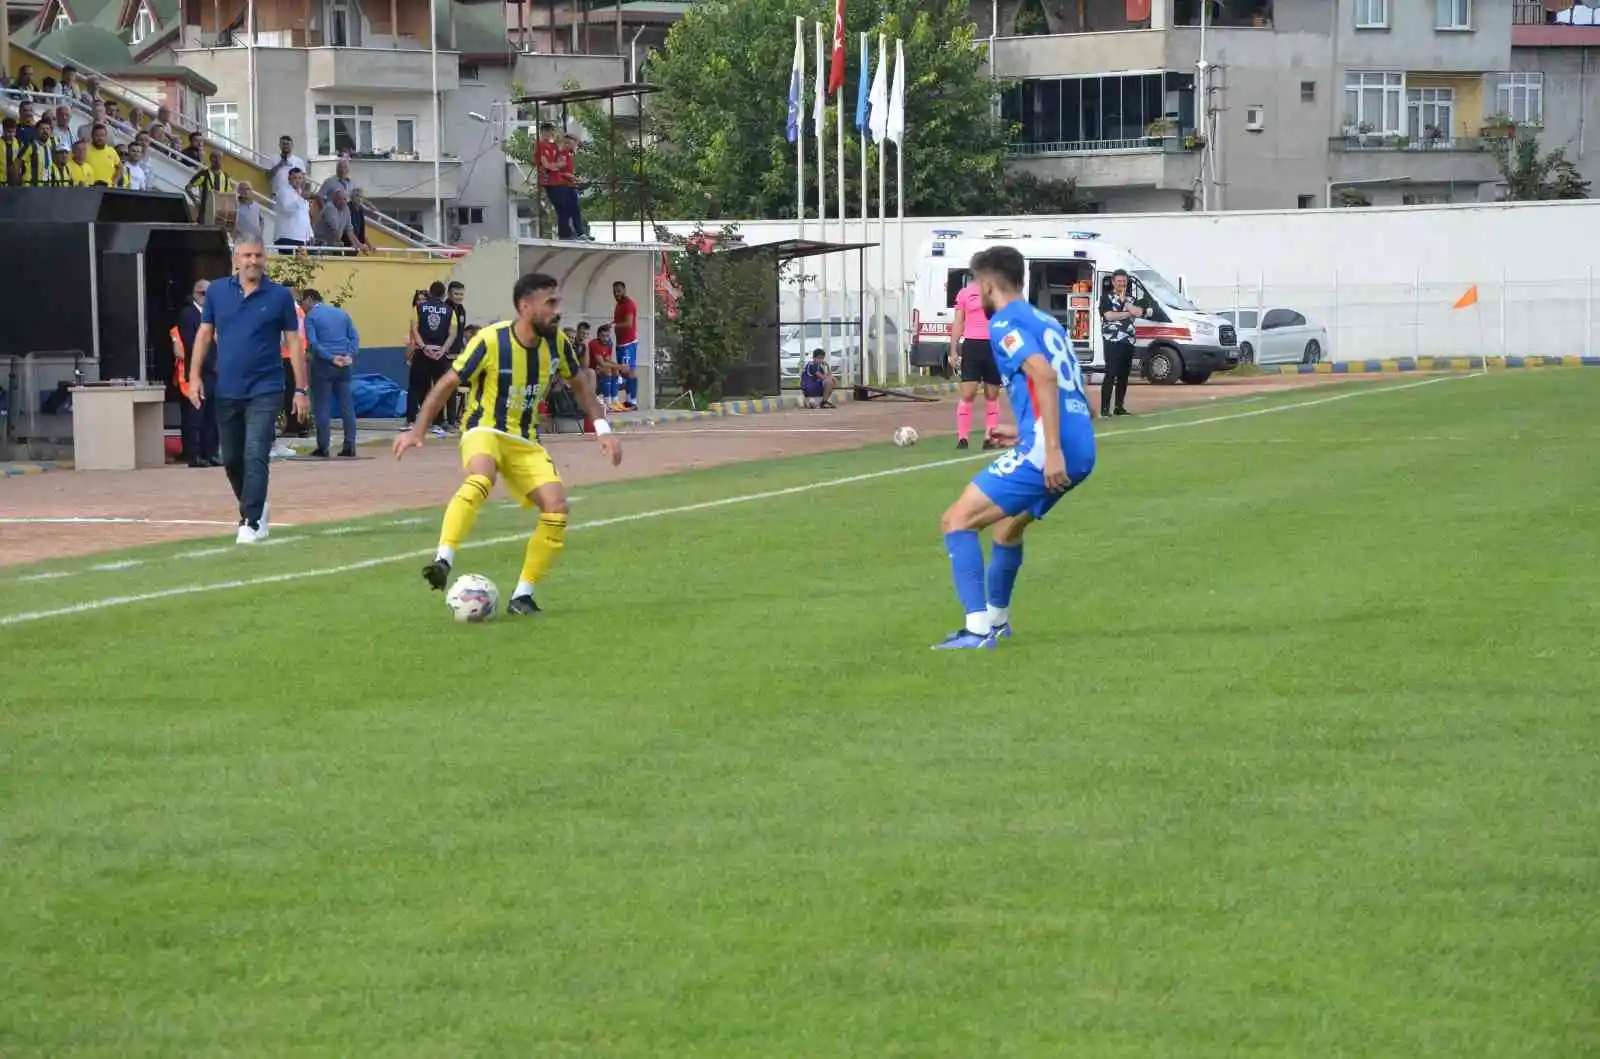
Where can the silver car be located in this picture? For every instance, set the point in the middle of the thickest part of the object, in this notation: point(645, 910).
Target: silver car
point(1277, 335)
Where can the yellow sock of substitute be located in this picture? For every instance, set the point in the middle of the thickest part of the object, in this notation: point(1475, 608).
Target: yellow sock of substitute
point(543, 547)
point(462, 513)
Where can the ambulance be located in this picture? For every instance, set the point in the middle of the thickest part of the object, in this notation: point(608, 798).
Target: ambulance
point(1175, 340)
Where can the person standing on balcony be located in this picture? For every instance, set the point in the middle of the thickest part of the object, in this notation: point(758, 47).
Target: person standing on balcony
point(547, 156)
point(1118, 311)
point(211, 181)
point(248, 224)
point(291, 214)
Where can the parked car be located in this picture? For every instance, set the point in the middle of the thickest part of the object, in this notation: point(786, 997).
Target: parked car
point(844, 360)
point(1277, 336)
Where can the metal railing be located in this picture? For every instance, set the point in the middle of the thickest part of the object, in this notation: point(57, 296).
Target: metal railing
point(1142, 144)
point(1379, 142)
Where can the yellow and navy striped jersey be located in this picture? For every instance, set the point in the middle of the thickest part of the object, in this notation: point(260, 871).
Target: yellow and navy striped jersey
point(34, 165)
point(505, 380)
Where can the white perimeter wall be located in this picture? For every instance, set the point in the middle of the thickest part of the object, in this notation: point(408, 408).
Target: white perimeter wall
point(1382, 280)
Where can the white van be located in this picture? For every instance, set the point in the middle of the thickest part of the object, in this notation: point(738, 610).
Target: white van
point(1065, 277)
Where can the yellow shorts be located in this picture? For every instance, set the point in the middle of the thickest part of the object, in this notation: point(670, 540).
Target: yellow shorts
point(524, 465)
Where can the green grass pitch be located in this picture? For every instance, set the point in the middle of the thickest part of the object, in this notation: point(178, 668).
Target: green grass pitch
point(1294, 755)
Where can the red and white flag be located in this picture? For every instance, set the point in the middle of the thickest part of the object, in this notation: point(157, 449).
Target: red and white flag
point(836, 63)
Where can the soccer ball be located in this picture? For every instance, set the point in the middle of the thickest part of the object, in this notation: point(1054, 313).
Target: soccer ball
point(905, 436)
point(473, 597)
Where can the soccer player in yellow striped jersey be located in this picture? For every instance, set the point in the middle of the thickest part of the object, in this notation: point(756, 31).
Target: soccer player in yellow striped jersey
point(508, 369)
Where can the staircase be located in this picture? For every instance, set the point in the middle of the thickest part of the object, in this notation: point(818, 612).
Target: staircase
point(171, 171)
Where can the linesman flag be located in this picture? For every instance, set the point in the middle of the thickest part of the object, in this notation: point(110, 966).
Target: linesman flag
point(1469, 299)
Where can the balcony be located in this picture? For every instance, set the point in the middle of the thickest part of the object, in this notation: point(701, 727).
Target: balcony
point(379, 69)
point(1534, 26)
point(390, 177)
point(1169, 162)
point(1366, 157)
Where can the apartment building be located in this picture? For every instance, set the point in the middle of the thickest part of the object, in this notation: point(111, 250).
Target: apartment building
point(1555, 78)
point(348, 76)
point(1301, 102)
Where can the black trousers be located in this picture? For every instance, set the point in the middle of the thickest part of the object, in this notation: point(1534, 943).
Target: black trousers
point(1119, 365)
point(200, 440)
point(293, 425)
point(424, 372)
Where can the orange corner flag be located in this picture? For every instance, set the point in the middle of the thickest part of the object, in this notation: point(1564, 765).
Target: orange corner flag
point(1468, 299)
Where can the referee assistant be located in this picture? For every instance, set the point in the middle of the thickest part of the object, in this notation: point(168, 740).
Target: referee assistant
point(975, 358)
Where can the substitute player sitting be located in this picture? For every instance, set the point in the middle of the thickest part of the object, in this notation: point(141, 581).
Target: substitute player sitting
point(1053, 451)
point(508, 369)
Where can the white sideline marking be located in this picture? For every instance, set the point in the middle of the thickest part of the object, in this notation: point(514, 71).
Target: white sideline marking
point(123, 564)
point(644, 516)
point(86, 520)
point(201, 553)
point(48, 575)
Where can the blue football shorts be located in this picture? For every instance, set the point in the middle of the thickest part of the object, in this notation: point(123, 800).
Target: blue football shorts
point(628, 354)
point(1017, 486)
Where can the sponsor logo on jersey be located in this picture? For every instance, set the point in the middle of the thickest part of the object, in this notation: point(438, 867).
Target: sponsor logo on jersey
point(1011, 343)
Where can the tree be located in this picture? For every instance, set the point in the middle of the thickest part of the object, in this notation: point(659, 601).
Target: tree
point(715, 129)
point(299, 271)
point(1531, 175)
point(717, 297)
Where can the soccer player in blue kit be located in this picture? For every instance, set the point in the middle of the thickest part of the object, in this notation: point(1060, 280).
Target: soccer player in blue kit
point(1052, 451)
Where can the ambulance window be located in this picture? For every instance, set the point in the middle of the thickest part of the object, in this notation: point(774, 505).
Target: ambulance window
point(954, 280)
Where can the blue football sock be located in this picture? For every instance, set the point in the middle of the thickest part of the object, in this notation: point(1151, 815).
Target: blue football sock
point(608, 388)
point(966, 565)
point(1004, 562)
point(633, 389)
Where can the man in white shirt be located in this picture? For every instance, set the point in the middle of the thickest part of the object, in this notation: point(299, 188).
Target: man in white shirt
point(249, 226)
point(287, 160)
point(133, 161)
point(291, 215)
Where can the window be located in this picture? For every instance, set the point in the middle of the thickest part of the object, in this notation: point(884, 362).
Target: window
point(469, 214)
point(1308, 91)
point(1423, 199)
point(1246, 318)
point(410, 218)
point(1305, 202)
point(343, 127)
point(1098, 112)
point(343, 24)
point(1255, 117)
point(1372, 14)
point(468, 72)
point(223, 121)
point(1520, 97)
point(405, 136)
point(1431, 113)
point(1277, 318)
point(1452, 14)
point(144, 24)
point(1372, 102)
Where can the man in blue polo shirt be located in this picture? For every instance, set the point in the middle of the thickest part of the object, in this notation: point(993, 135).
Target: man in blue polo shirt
point(251, 319)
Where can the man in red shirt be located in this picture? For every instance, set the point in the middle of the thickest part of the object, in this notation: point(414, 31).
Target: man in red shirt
point(625, 322)
point(567, 155)
point(552, 176)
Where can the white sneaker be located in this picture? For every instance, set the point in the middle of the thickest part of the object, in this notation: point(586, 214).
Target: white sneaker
point(247, 535)
point(261, 533)
point(438, 432)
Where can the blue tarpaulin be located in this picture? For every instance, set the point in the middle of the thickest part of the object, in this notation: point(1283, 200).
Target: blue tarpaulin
point(377, 397)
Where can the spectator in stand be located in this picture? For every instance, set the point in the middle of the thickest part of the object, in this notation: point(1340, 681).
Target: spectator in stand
point(70, 83)
point(101, 156)
point(27, 122)
point(568, 156)
point(90, 96)
point(331, 346)
point(60, 174)
point(552, 178)
point(199, 422)
point(36, 164)
point(625, 322)
point(97, 117)
point(249, 226)
point(138, 168)
point(334, 227)
point(340, 179)
point(358, 217)
point(11, 152)
point(816, 381)
point(211, 180)
point(61, 127)
point(292, 214)
point(48, 88)
point(286, 163)
point(196, 149)
point(80, 174)
point(24, 80)
point(120, 177)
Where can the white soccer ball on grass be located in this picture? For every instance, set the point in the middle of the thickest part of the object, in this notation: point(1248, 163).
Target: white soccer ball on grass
point(473, 597)
point(905, 436)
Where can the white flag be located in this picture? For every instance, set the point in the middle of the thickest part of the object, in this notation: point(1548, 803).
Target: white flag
point(878, 99)
point(819, 108)
point(896, 130)
point(797, 111)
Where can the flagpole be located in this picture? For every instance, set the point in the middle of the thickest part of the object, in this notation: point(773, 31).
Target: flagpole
point(883, 237)
point(819, 115)
point(866, 195)
point(800, 162)
point(897, 107)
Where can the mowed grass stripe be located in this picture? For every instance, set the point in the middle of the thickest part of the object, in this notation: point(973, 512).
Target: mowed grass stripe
point(1290, 758)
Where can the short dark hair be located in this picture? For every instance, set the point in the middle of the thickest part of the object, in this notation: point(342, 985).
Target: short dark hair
point(436, 289)
point(456, 284)
point(819, 353)
point(1003, 263)
point(1120, 272)
point(311, 294)
point(531, 283)
point(619, 283)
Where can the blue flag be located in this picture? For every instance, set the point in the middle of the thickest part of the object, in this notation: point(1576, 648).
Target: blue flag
point(861, 85)
point(795, 75)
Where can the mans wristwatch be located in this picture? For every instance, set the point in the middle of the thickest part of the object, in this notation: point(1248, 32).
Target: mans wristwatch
point(302, 391)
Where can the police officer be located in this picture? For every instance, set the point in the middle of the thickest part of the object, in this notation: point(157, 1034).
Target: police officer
point(433, 335)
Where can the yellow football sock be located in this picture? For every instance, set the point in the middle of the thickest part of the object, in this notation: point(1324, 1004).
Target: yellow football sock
point(543, 547)
point(463, 512)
